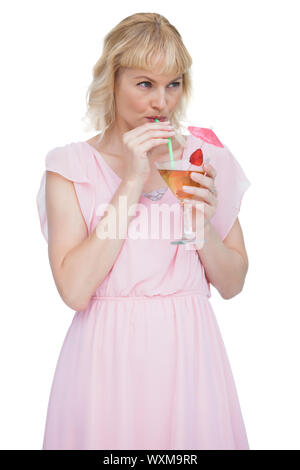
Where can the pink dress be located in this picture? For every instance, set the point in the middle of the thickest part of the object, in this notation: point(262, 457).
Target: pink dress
point(144, 365)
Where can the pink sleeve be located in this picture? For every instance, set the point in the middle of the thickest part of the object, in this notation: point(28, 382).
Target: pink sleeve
point(68, 162)
point(231, 184)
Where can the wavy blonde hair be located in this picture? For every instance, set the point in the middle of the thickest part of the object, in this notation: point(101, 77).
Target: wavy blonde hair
point(139, 41)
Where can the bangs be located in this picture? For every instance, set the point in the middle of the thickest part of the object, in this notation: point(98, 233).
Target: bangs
point(147, 54)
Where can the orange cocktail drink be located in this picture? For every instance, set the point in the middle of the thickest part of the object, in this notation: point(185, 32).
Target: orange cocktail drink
point(175, 179)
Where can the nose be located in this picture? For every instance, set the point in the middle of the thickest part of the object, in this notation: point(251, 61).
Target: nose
point(159, 99)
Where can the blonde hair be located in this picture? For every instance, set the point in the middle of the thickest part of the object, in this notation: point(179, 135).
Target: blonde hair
point(139, 41)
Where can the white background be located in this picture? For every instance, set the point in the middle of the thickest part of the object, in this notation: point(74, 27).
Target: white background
point(246, 85)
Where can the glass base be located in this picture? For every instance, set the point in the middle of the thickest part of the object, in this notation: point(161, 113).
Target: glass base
point(183, 241)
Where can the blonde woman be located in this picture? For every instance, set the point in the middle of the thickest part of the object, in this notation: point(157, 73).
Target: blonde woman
point(143, 364)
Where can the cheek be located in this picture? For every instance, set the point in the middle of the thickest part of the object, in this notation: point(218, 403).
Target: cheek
point(134, 100)
point(178, 96)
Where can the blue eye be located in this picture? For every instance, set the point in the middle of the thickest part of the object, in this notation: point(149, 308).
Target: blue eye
point(175, 83)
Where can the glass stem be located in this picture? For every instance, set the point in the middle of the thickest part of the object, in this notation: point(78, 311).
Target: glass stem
point(187, 221)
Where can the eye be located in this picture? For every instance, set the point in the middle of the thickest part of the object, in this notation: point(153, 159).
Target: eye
point(173, 83)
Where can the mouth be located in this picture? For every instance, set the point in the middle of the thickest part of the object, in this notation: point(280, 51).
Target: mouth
point(160, 118)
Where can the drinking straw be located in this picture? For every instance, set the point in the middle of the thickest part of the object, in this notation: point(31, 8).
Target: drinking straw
point(170, 148)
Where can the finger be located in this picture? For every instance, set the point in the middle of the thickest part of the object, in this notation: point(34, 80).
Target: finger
point(158, 133)
point(201, 193)
point(155, 126)
point(148, 145)
point(205, 181)
point(148, 126)
point(210, 170)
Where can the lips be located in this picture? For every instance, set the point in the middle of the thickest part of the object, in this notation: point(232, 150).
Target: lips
point(160, 118)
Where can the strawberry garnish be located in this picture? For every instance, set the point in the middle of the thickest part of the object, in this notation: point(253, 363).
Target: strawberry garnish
point(197, 157)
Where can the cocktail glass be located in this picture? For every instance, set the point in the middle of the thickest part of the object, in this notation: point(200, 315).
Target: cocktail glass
point(177, 174)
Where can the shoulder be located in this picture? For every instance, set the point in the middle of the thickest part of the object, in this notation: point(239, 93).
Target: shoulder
point(69, 160)
point(70, 149)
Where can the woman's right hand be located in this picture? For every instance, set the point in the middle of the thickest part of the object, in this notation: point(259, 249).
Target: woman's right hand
point(138, 142)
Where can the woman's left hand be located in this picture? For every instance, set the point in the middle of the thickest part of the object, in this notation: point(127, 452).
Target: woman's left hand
point(207, 194)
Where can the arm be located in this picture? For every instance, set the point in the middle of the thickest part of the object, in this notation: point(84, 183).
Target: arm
point(86, 266)
point(80, 262)
point(225, 262)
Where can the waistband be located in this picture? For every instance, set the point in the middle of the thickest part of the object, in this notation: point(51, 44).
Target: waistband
point(152, 297)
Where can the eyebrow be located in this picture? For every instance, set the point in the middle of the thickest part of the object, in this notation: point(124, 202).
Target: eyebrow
point(151, 79)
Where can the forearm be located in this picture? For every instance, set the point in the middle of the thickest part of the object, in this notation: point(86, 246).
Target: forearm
point(225, 268)
point(86, 266)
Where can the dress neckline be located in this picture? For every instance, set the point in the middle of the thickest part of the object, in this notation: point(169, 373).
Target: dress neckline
point(115, 174)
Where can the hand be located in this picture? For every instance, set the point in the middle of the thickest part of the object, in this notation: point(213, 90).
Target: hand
point(138, 141)
point(206, 194)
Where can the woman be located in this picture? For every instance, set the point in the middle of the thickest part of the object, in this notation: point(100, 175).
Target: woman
point(143, 364)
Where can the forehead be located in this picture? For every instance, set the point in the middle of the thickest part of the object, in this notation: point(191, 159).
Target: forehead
point(156, 74)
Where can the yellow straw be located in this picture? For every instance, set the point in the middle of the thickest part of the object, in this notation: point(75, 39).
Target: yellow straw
point(170, 148)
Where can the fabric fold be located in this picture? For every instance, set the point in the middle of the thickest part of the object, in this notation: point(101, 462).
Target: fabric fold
point(231, 183)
